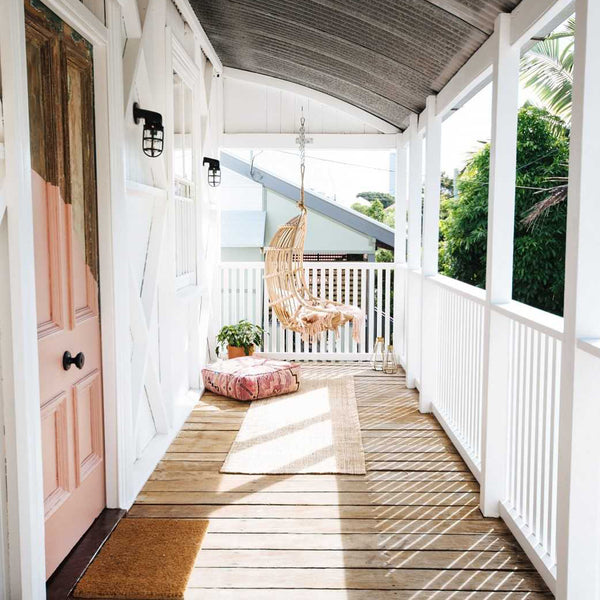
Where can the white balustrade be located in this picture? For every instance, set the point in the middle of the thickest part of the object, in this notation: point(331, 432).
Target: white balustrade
point(370, 286)
point(530, 504)
point(458, 402)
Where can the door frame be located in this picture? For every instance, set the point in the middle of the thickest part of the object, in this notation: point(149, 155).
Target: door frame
point(19, 353)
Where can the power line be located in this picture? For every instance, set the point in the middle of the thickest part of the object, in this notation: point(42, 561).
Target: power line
point(339, 162)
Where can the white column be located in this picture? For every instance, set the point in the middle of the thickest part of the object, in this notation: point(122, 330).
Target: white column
point(20, 380)
point(501, 215)
point(114, 273)
point(401, 203)
point(578, 523)
point(431, 204)
point(415, 184)
point(431, 232)
point(413, 287)
point(400, 237)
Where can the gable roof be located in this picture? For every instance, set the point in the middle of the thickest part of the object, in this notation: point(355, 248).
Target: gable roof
point(383, 235)
point(384, 56)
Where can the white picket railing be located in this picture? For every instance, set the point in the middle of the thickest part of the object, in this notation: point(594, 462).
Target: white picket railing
point(529, 506)
point(532, 446)
point(459, 397)
point(366, 285)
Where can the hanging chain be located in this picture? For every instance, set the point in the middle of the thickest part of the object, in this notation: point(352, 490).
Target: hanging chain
point(302, 144)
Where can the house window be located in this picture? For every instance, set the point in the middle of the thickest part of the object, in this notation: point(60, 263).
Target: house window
point(183, 180)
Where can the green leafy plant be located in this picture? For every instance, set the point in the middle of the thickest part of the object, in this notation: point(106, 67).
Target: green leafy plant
point(243, 335)
point(539, 242)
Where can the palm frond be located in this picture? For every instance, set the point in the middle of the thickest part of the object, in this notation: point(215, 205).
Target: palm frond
point(548, 69)
point(539, 209)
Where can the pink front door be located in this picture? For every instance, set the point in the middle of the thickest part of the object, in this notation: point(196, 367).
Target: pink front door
point(61, 114)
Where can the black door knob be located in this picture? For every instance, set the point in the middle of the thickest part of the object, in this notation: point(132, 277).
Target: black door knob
point(78, 360)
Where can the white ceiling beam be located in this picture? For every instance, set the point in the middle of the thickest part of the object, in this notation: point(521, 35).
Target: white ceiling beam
point(300, 90)
point(537, 17)
point(530, 18)
point(316, 141)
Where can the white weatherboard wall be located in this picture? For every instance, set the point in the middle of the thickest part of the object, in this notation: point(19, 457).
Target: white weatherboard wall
point(169, 324)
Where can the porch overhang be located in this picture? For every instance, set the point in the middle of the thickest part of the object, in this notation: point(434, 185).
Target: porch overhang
point(383, 57)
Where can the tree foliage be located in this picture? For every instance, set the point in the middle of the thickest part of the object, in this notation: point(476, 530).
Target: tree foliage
point(539, 249)
point(385, 199)
point(375, 210)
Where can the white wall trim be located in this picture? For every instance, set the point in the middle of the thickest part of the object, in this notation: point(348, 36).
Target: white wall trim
point(20, 348)
point(114, 289)
point(301, 90)
point(80, 18)
point(24, 457)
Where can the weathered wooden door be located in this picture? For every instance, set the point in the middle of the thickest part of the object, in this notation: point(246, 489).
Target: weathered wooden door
point(60, 79)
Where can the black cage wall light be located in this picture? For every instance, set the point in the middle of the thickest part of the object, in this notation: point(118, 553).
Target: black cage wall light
point(214, 171)
point(153, 136)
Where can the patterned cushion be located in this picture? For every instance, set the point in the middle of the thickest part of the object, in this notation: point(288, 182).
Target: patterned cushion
point(248, 378)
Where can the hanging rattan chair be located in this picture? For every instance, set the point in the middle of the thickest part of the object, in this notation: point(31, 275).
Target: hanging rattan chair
point(290, 298)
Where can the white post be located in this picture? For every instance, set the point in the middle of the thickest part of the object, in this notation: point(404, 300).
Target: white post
point(578, 519)
point(401, 202)
point(114, 261)
point(431, 232)
point(501, 215)
point(401, 209)
point(431, 204)
point(415, 183)
point(21, 393)
point(413, 284)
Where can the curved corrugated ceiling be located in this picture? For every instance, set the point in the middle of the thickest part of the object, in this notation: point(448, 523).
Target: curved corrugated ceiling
point(383, 56)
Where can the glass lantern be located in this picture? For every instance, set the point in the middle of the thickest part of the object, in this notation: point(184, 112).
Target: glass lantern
point(378, 357)
point(390, 365)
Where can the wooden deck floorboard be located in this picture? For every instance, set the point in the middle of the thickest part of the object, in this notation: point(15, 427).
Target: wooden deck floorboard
point(410, 529)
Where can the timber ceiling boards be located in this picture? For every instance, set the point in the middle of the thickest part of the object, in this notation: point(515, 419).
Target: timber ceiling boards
point(384, 56)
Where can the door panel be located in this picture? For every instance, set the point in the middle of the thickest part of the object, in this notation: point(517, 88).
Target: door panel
point(60, 72)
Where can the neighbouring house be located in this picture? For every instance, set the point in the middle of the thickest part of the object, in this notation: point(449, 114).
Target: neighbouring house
point(254, 203)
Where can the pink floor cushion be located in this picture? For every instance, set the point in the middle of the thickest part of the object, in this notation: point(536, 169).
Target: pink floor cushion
point(248, 378)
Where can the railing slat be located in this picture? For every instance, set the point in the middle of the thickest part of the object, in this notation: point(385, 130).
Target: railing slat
point(368, 285)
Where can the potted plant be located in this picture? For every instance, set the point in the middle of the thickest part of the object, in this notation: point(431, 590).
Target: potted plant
point(240, 339)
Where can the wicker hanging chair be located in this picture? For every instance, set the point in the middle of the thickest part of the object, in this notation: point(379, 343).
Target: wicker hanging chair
point(290, 298)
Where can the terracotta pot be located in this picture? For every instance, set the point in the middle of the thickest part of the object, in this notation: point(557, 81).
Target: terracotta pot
point(236, 352)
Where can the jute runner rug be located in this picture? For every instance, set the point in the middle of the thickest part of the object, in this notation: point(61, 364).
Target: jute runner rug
point(313, 430)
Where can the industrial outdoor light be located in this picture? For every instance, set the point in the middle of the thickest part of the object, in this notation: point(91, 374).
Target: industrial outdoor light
point(214, 171)
point(153, 136)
